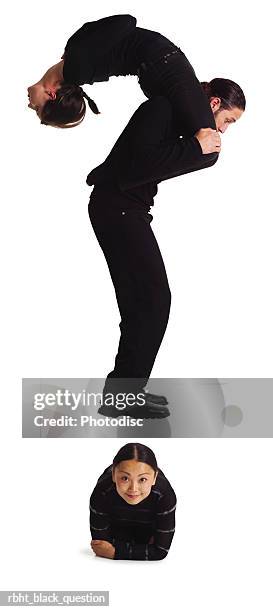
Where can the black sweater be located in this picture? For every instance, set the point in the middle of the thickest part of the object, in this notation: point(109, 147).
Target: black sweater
point(149, 151)
point(130, 527)
point(110, 46)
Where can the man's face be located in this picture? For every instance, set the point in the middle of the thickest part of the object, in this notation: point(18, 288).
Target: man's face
point(224, 117)
point(133, 480)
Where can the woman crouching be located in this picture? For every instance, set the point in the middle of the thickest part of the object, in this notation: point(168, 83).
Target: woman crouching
point(132, 508)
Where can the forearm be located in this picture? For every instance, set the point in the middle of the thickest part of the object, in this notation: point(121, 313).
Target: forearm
point(165, 161)
point(146, 153)
point(101, 534)
point(99, 522)
point(139, 552)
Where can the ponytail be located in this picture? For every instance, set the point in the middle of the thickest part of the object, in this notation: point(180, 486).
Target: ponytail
point(69, 108)
point(91, 102)
point(230, 94)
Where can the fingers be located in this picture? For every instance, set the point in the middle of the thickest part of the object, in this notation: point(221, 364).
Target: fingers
point(96, 544)
point(206, 132)
point(209, 140)
point(100, 544)
point(97, 548)
point(218, 142)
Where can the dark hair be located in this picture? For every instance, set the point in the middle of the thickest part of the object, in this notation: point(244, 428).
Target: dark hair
point(68, 109)
point(136, 451)
point(230, 93)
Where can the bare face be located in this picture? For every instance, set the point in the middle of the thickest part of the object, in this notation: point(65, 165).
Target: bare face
point(38, 95)
point(133, 480)
point(224, 117)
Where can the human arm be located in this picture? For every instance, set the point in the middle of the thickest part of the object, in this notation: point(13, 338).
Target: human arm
point(209, 140)
point(99, 518)
point(166, 161)
point(149, 150)
point(156, 153)
point(103, 548)
point(159, 545)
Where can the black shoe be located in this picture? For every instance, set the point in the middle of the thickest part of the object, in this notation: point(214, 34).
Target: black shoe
point(156, 399)
point(148, 411)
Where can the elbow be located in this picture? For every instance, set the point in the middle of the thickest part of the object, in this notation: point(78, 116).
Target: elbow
point(160, 554)
point(209, 159)
point(212, 159)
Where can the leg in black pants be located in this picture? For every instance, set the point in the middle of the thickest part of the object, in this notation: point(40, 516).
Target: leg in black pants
point(141, 285)
point(173, 77)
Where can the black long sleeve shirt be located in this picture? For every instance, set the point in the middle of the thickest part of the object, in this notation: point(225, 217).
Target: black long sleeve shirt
point(110, 46)
point(149, 151)
point(130, 527)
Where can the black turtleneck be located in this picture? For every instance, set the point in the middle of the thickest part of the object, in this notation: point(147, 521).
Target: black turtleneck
point(110, 46)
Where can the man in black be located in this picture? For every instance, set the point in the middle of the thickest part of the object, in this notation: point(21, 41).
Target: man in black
point(147, 152)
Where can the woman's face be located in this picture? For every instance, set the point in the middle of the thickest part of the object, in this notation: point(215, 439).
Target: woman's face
point(38, 95)
point(133, 480)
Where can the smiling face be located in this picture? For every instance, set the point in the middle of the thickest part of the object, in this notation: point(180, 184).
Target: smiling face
point(224, 117)
point(133, 480)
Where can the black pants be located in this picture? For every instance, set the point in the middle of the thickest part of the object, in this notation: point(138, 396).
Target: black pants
point(173, 76)
point(137, 270)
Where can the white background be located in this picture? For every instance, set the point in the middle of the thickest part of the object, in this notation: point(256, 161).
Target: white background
point(60, 319)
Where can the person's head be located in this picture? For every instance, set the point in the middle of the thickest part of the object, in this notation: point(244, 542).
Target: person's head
point(63, 106)
point(227, 101)
point(134, 472)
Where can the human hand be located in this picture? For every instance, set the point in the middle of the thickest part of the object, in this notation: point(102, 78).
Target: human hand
point(209, 140)
point(102, 548)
